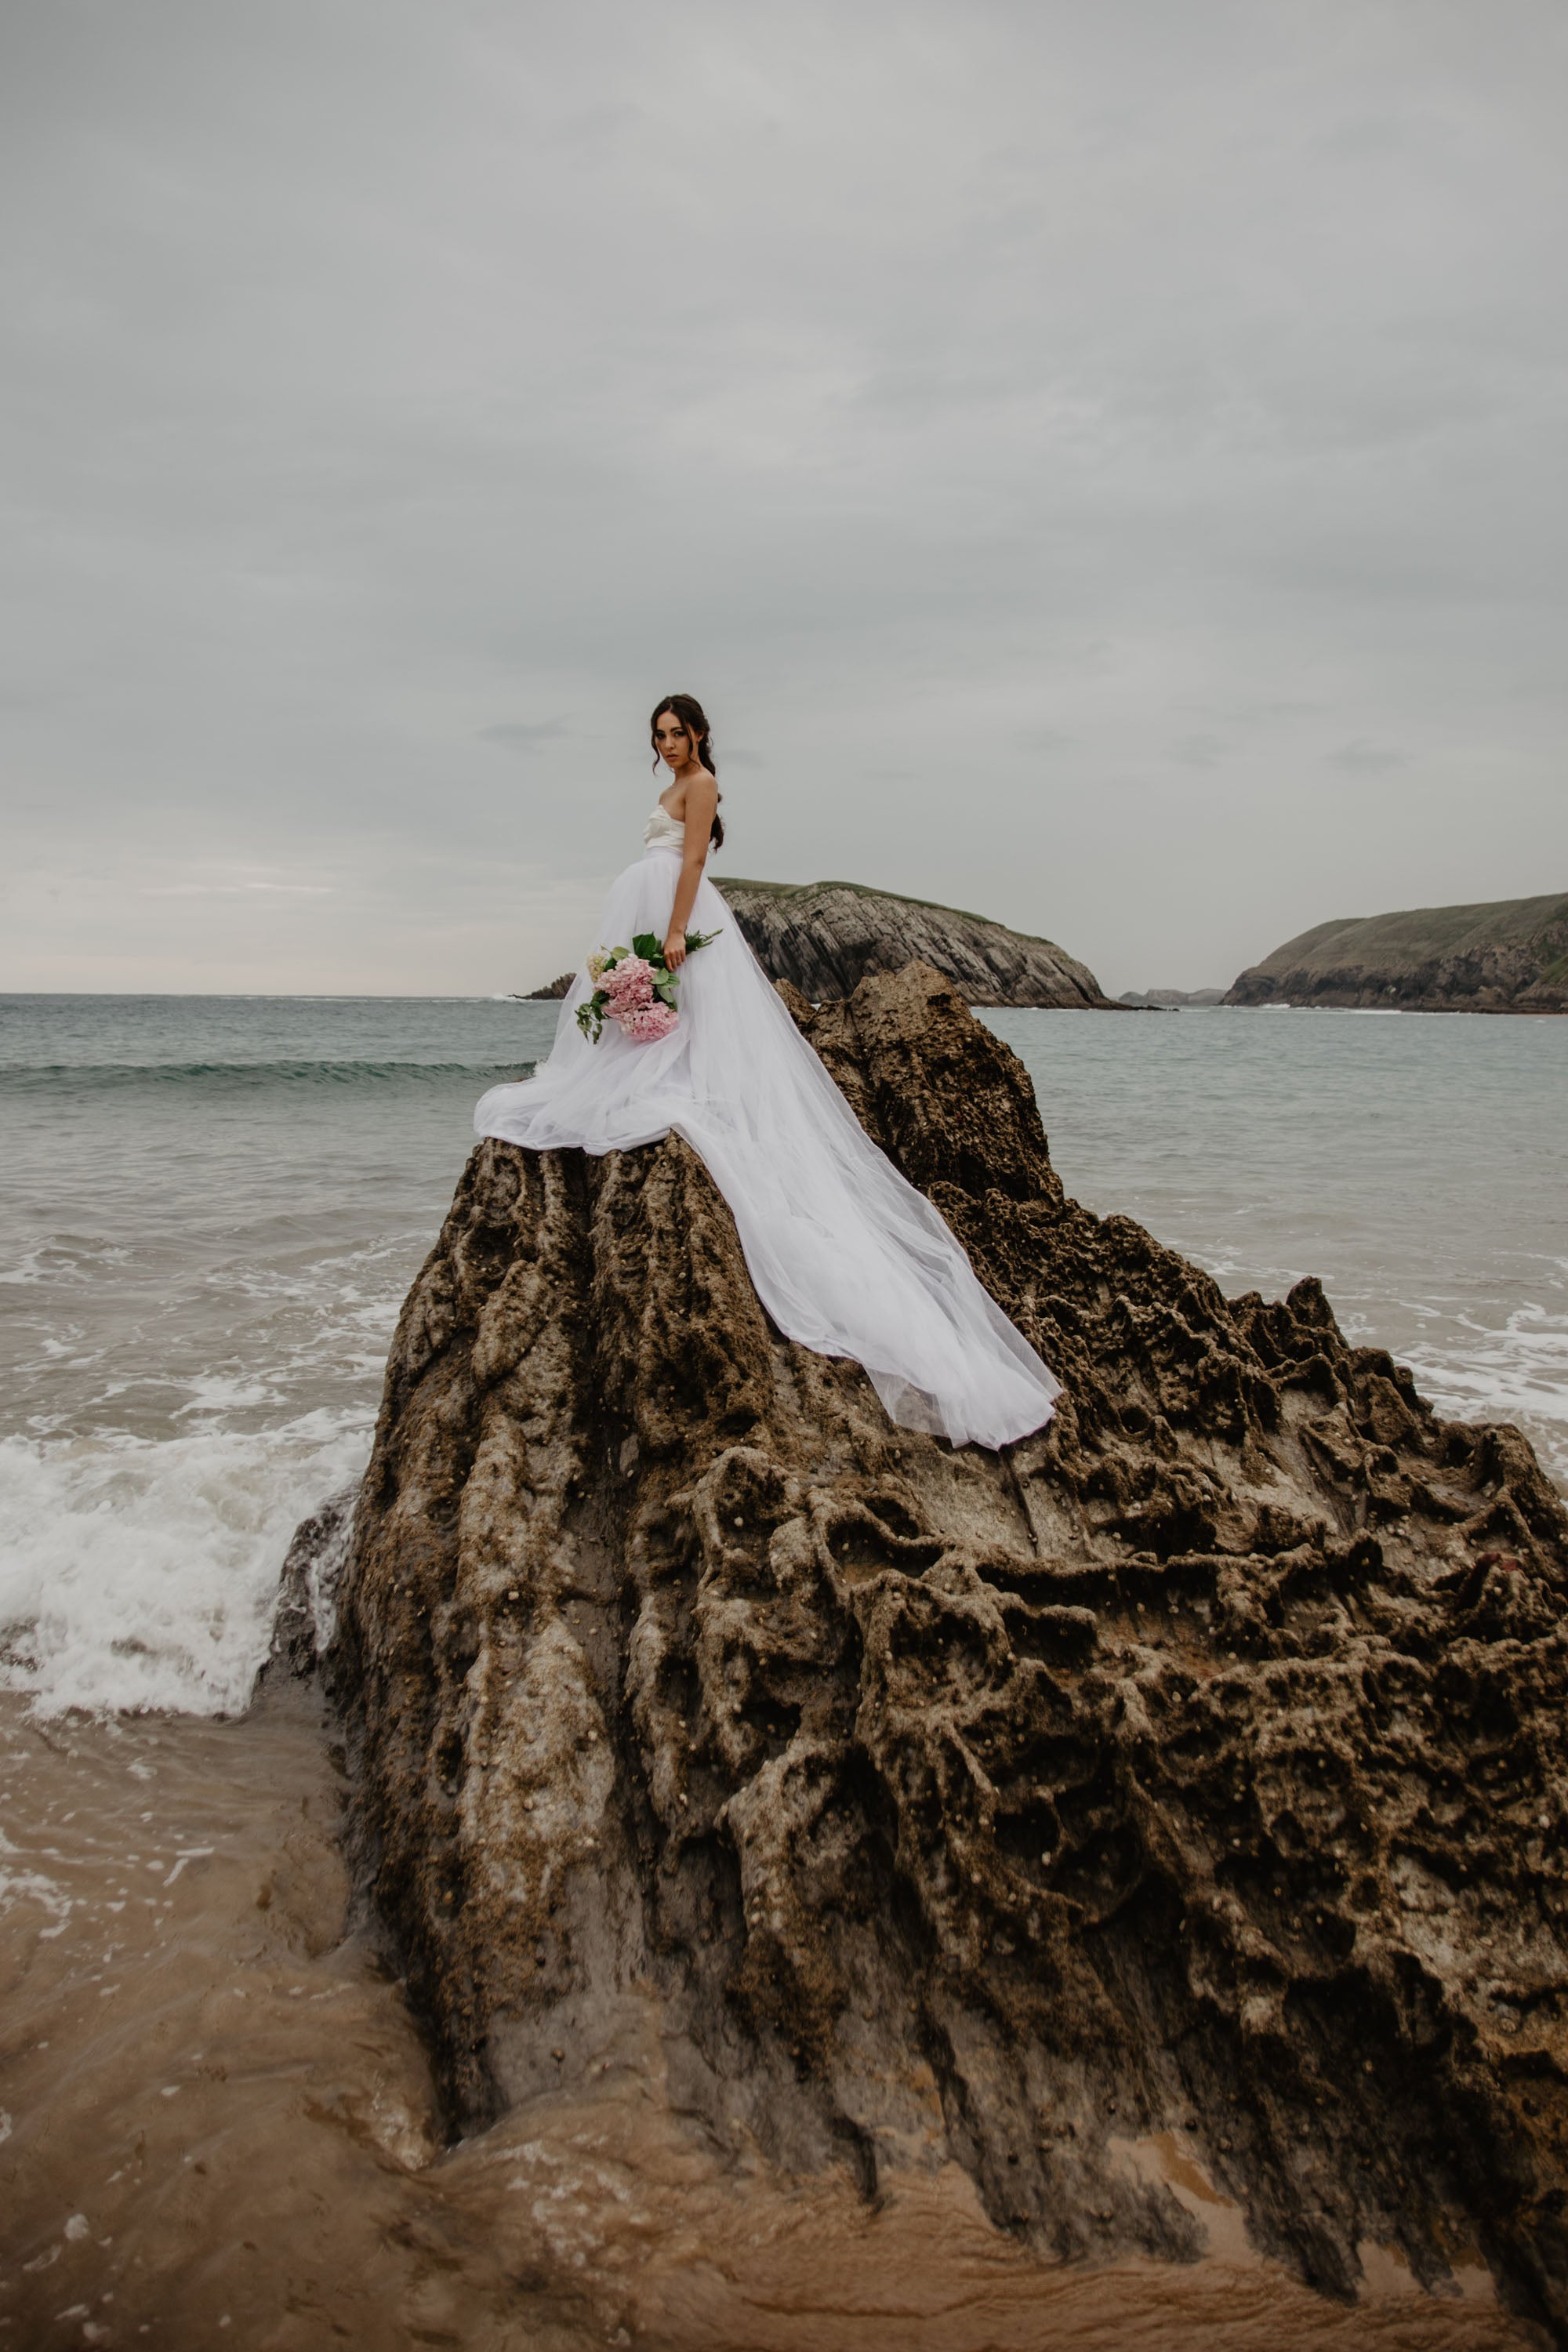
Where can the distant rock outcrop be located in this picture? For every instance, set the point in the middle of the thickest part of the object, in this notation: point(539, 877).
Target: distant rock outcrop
point(552, 990)
point(1191, 1777)
point(1508, 956)
point(823, 938)
point(1171, 999)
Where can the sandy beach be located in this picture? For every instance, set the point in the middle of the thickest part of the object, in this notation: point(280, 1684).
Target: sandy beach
point(218, 2131)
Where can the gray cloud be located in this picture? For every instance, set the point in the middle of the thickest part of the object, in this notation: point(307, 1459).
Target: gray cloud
point(1199, 751)
point(995, 413)
point(235, 889)
point(521, 736)
point(1366, 759)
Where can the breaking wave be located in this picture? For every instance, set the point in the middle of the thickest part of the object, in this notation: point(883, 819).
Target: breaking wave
point(138, 1574)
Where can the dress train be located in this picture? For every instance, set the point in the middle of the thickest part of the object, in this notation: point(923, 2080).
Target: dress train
point(847, 1256)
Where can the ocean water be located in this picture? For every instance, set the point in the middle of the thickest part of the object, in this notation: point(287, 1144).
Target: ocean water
point(211, 1209)
point(1417, 1163)
point(216, 2110)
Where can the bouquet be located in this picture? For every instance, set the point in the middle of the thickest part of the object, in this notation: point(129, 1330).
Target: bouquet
point(635, 987)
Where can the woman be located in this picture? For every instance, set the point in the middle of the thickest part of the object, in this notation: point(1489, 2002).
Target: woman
point(847, 1256)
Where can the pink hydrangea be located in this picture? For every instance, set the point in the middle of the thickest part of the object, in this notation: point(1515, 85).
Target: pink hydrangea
point(646, 1023)
point(628, 983)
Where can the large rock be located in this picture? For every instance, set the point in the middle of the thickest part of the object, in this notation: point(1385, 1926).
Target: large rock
point(1510, 956)
point(1195, 1768)
point(823, 938)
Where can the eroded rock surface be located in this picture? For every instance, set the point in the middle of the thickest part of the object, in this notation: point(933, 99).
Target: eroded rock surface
point(1195, 1768)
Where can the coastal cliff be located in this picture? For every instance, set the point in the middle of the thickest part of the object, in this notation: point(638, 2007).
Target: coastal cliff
point(823, 938)
point(1191, 1778)
point(1508, 956)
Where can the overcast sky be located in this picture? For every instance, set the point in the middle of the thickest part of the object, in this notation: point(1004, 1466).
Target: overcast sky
point(1101, 462)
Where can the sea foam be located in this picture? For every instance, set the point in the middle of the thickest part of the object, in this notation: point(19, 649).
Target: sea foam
point(1517, 1374)
point(139, 1573)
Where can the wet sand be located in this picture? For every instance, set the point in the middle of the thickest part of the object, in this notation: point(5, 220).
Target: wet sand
point(216, 2130)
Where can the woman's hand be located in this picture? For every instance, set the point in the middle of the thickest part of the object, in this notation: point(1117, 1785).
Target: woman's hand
point(675, 949)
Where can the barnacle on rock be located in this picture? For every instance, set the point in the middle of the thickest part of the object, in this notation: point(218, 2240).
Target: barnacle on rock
point(1195, 1765)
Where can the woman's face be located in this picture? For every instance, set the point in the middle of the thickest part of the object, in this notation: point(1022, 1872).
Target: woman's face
point(672, 741)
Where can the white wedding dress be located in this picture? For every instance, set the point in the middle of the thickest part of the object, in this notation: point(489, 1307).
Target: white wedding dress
point(845, 1256)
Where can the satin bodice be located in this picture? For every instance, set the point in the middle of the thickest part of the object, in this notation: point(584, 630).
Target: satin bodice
point(663, 831)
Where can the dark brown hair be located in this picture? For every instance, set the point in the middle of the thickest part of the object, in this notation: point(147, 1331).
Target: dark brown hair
point(689, 710)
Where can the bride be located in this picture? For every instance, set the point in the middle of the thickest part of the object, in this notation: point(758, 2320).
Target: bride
point(847, 1256)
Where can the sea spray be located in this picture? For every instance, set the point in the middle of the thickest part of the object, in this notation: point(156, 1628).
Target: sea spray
point(140, 1574)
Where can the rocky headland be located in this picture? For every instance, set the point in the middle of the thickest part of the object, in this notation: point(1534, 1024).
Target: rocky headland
point(823, 938)
point(1178, 1796)
point(1509, 956)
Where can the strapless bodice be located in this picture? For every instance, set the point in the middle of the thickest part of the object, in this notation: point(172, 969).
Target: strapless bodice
point(663, 831)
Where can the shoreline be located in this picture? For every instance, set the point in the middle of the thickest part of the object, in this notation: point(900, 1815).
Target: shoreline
point(220, 2111)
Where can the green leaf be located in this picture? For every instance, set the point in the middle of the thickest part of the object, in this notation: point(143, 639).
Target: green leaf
point(649, 946)
point(591, 1016)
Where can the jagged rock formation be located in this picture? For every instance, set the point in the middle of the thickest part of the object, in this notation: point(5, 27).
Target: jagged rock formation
point(823, 938)
point(1197, 1766)
point(552, 991)
point(1508, 957)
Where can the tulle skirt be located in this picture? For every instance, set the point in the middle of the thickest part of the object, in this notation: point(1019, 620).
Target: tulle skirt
point(847, 1256)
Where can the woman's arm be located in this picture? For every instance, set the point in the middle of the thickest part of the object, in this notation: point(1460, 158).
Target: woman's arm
point(701, 801)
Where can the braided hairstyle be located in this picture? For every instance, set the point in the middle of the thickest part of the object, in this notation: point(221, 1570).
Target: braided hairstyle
point(689, 710)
